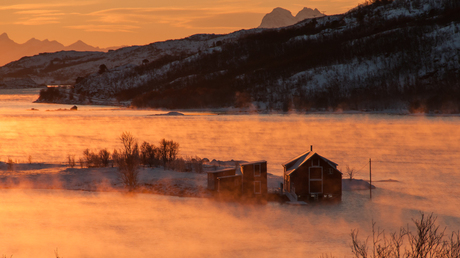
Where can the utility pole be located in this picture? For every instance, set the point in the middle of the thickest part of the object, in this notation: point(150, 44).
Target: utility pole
point(370, 178)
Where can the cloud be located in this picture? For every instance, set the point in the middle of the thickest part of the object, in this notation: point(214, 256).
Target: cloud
point(45, 5)
point(40, 12)
point(226, 21)
point(104, 28)
point(38, 21)
point(221, 18)
point(142, 15)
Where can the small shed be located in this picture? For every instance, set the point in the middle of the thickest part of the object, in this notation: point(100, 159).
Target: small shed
point(312, 177)
point(248, 186)
point(214, 175)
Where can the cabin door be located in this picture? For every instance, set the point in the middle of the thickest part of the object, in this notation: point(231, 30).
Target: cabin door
point(315, 180)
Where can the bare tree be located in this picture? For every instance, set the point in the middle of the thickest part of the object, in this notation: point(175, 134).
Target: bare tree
point(128, 161)
point(168, 151)
point(104, 156)
point(428, 241)
point(149, 154)
point(350, 172)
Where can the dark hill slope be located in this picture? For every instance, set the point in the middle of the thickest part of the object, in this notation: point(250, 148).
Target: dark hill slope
point(400, 54)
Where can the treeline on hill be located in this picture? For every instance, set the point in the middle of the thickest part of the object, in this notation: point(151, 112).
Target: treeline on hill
point(252, 68)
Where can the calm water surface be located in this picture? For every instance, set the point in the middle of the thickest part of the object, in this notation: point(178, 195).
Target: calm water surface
point(420, 152)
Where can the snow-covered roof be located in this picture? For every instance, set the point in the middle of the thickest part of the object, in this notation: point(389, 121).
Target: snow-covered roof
point(252, 162)
point(301, 159)
point(291, 160)
point(220, 171)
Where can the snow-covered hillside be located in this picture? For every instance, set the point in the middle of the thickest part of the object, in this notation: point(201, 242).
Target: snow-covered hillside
point(65, 67)
point(389, 54)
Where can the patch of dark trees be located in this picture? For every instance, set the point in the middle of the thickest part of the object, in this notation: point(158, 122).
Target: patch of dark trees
point(250, 69)
point(51, 94)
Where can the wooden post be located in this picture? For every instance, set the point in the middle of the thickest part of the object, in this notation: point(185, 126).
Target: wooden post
point(370, 178)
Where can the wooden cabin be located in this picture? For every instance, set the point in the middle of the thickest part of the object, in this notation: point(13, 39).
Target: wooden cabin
point(312, 177)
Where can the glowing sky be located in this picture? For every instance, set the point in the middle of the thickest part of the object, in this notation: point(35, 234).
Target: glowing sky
point(107, 23)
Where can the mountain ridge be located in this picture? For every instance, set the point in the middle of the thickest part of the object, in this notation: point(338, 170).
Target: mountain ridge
point(280, 17)
point(12, 51)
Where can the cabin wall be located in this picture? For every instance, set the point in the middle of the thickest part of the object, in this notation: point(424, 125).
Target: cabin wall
point(229, 188)
point(254, 186)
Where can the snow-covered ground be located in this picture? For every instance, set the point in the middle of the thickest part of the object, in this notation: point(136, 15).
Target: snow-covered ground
point(156, 180)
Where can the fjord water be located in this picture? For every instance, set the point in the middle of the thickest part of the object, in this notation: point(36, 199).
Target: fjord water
point(420, 152)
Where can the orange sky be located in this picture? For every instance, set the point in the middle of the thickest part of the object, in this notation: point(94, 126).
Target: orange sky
point(107, 23)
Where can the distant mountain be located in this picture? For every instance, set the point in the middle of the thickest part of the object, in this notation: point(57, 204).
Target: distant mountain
point(280, 17)
point(400, 55)
point(12, 51)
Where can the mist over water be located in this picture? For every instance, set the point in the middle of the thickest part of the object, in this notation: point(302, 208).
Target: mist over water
point(420, 152)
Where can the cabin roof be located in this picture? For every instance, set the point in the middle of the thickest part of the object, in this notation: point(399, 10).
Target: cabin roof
point(220, 171)
point(252, 162)
point(301, 159)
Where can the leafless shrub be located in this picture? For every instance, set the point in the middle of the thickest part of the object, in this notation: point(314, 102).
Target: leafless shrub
point(88, 156)
point(197, 164)
point(178, 164)
point(96, 159)
point(71, 160)
point(29, 159)
point(104, 157)
point(186, 164)
point(327, 256)
point(115, 158)
point(10, 164)
point(82, 162)
point(428, 241)
point(128, 161)
point(57, 254)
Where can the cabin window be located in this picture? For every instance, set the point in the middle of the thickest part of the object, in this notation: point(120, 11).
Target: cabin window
point(257, 187)
point(329, 171)
point(256, 169)
point(315, 162)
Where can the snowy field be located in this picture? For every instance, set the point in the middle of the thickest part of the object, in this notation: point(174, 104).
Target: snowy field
point(420, 152)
